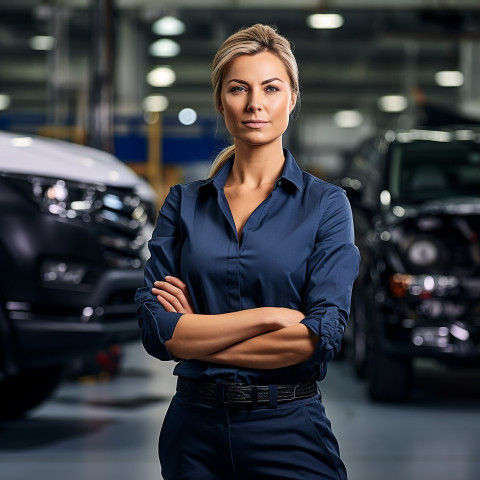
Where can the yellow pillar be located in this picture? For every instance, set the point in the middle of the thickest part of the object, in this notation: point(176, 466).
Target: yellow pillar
point(155, 174)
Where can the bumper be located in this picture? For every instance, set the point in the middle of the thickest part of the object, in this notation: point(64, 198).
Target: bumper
point(57, 342)
point(402, 331)
point(55, 334)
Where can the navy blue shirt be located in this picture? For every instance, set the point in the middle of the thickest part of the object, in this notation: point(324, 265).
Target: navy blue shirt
point(296, 251)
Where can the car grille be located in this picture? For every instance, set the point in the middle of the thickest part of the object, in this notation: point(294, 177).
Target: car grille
point(123, 226)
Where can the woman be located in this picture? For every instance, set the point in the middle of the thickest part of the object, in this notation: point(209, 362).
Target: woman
point(248, 288)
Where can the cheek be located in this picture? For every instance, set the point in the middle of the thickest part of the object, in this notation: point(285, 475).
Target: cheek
point(282, 107)
point(282, 112)
point(232, 111)
point(230, 117)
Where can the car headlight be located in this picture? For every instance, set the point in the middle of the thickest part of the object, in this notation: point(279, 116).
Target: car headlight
point(423, 286)
point(59, 197)
point(66, 199)
point(422, 253)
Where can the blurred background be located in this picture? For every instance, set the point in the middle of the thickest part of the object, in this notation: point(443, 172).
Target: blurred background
point(131, 78)
point(93, 72)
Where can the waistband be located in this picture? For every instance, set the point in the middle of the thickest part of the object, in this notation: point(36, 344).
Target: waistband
point(243, 396)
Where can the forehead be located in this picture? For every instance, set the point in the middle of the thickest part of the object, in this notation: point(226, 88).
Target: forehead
point(261, 66)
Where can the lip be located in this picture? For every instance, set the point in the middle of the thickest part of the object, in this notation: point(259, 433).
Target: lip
point(255, 123)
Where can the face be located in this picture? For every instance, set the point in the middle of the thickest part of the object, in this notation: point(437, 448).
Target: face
point(256, 98)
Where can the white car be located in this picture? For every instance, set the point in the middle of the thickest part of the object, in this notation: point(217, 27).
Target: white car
point(74, 227)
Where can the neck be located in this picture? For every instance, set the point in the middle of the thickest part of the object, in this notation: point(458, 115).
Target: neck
point(257, 165)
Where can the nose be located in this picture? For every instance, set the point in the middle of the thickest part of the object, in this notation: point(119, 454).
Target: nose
point(254, 105)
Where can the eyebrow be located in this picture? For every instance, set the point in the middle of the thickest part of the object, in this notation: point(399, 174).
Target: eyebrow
point(243, 82)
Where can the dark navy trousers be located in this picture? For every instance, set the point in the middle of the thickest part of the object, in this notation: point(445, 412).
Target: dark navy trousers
point(292, 441)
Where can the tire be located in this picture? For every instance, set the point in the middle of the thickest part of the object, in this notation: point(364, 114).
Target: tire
point(28, 389)
point(389, 378)
point(359, 333)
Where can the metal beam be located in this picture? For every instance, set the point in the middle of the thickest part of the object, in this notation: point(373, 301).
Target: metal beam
point(175, 6)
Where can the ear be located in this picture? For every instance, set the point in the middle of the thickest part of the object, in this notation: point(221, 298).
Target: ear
point(220, 108)
point(293, 102)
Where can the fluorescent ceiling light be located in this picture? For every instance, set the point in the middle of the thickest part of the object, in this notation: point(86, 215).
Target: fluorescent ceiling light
point(168, 26)
point(452, 78)
point(42, 42)
point(187, 116)
point(4, 101)
point(325, 20)
point(392, 103)
point(164, 48)
point(161, 77)
point(155, 103)
point(348, 118)
point(21, 142)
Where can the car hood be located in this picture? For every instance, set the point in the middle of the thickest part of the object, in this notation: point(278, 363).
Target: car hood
point(25, 154)
point(452, 206)
point(447, 206)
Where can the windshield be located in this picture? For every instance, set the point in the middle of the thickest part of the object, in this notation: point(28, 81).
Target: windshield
point(425, 170)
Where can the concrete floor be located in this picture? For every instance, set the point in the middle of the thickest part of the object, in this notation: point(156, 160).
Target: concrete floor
point(109, 430)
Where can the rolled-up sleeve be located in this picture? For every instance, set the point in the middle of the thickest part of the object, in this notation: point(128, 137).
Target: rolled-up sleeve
point(331, 271)
point(156, 324)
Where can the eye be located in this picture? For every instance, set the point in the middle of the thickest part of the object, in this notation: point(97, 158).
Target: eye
point(272, 88)
point(237, 89)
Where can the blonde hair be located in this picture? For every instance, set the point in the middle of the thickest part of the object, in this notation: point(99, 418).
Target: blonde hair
point(249, 41)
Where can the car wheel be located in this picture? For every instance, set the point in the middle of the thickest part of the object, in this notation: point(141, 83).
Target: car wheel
point(389, 377)
point(359, 333)
point(27, 389)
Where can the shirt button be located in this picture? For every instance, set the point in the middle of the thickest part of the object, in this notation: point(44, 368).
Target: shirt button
point(279, 183)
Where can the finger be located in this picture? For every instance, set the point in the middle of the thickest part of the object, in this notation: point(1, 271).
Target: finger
point(168, 287)
point(175, 281)
point(157, 291)
point(167, 306)
point(175, 291)
point(181, 285)
point(173, 300)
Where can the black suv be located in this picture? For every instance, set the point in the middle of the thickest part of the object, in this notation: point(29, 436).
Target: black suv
point(415, 197)
point(74, 226)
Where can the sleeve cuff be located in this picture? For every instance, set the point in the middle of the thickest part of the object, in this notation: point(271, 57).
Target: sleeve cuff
point(324, 323)
point(327, 326)
point(154, 337)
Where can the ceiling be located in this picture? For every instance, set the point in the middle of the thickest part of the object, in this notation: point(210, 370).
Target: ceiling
point(379, 50)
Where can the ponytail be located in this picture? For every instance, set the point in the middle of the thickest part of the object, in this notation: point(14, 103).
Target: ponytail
point(221, 159)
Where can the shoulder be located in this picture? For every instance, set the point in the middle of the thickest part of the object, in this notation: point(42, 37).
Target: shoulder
point(329, 201)
point(181, 200)
point(320, 189)
point(191, 188)
point(184, 191)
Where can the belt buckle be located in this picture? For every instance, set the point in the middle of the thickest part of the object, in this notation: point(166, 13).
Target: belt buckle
point(240, 396)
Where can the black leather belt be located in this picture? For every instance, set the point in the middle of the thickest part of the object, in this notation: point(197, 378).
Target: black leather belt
point(243, 395)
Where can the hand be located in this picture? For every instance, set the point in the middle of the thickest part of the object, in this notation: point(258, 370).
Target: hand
point(173, 295)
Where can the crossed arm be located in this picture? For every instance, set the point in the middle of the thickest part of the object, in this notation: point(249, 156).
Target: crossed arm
point(268, 337)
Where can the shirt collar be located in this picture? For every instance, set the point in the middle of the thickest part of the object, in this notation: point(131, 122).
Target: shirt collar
point(291, 173)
